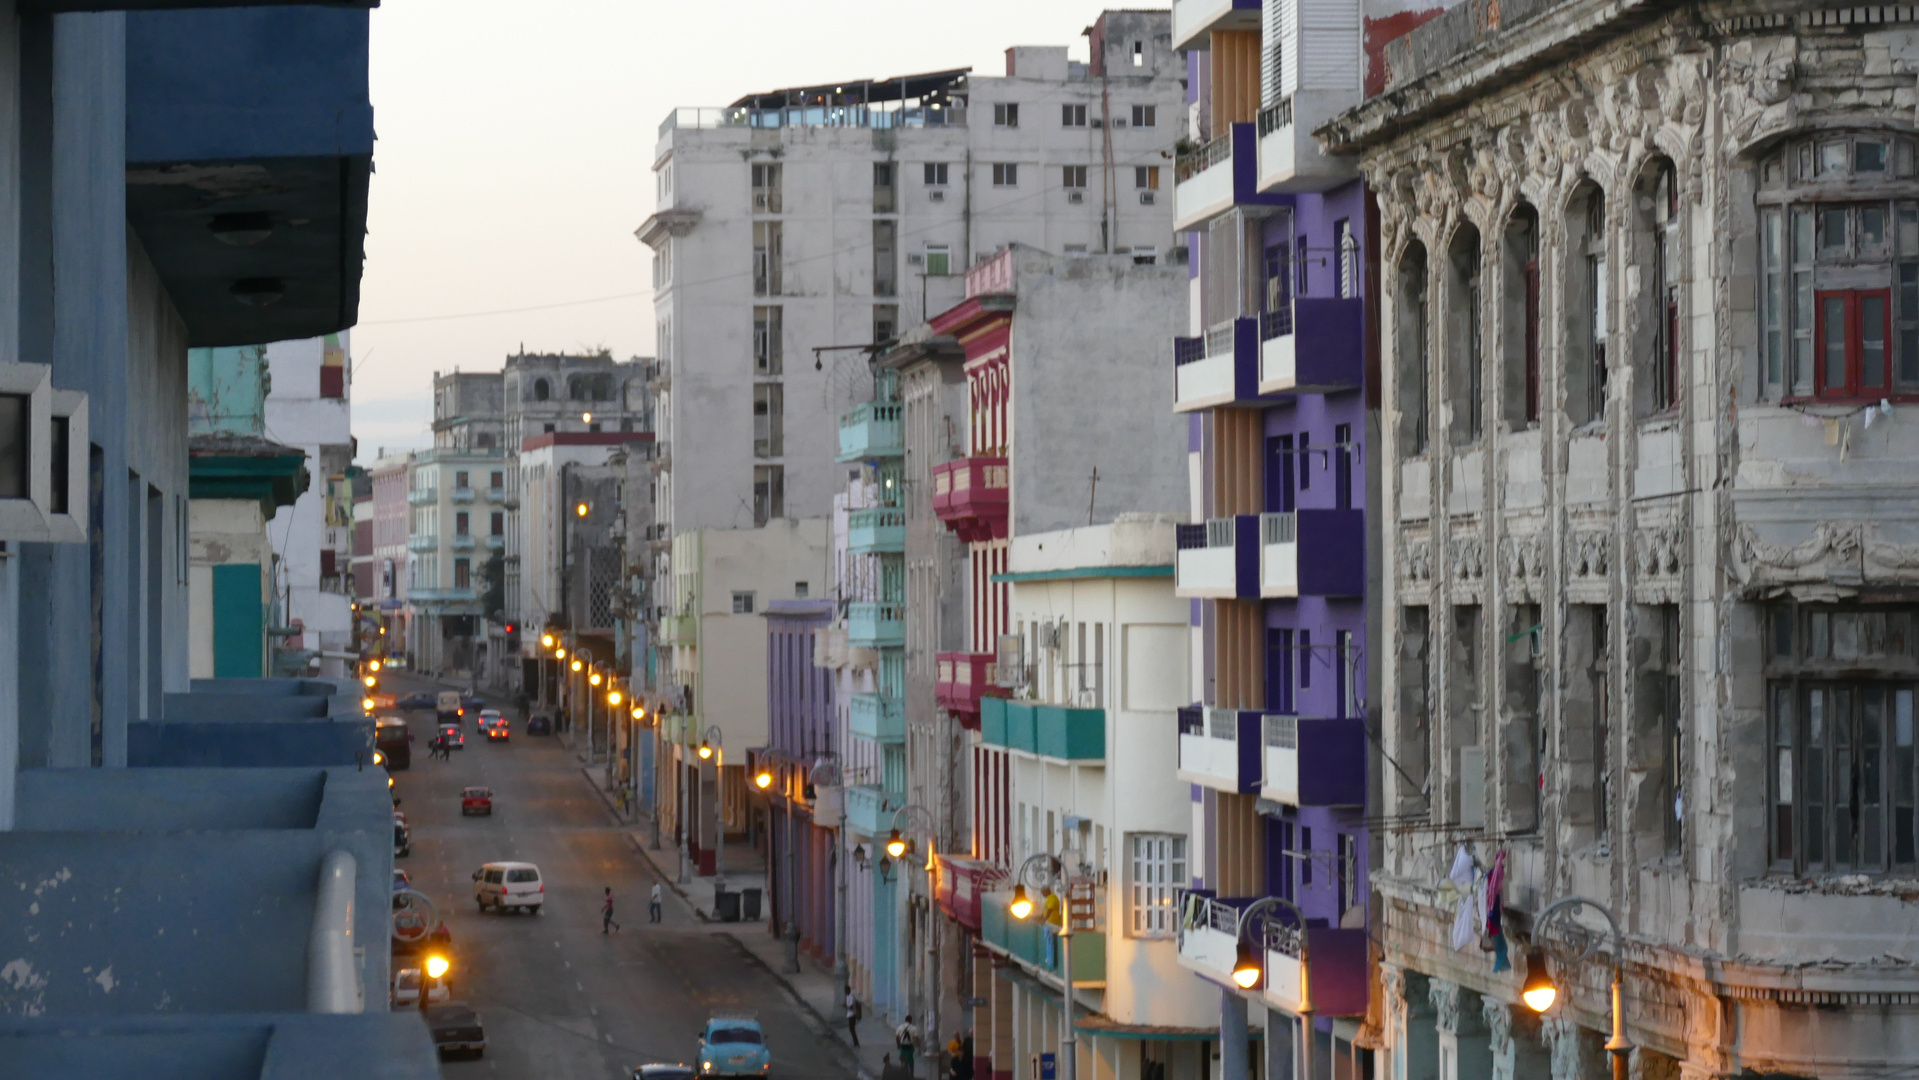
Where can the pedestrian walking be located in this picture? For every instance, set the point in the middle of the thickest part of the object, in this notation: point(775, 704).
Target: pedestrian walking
point(606, 913)
point(906, 1039)
point(853, 1017)
point(890, 1070)
point(959, 1059)
point(653, 910)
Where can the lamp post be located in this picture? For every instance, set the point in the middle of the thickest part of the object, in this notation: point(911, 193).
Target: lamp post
point(1249, 968)
point(826, 773)
point(613, 699)
point(1539, 991)
point(582, 665)
point(919, 820)
point(1046, 873)
point(712, 749)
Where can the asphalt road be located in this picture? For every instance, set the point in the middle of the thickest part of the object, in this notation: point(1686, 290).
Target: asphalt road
point(560, 1000)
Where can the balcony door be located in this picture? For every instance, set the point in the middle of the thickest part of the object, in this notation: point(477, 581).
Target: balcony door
point(1280, 479)
point(1854, 327)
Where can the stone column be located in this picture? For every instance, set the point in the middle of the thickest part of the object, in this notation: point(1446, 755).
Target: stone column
point(1235, 1063)
point(1518, 1051)
point(1576, 1052)
point(1413, 1040)
point(1465, 1047)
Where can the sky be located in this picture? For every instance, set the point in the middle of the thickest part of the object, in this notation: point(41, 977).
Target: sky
point(515, 154)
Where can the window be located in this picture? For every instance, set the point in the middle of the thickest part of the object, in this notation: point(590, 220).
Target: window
point(1005, 114)
point(1660, 718)
point(935, 174)
point(1158, 872)
point(1280, 664)
point(1073, 176)
point(767, 257)
point(1305, 855)
point(1347, 251)
point(541, 391)
point(461, 523)
point(1005, 175)
point(766, 189)
point(497, 524)
point(1413, 735)
point(885, 257)
point(1520, 717)
point(462, 573)
point(768, 341)
point(938, 260)
point(1465, 367)
point(742, 603)
point(1587, 292)
point(1519, 312)
point(1146, 177)
point(1842, 779)
point(1412, 346)
point(1145, 116)
point(16, 446)
point(886, 322)
point(1346, 657)
point(799, 590)
point(1342, 466)
point(1300, 258)
point(1657, 214)
point(1346, 871)
point(768, 437)
point(1852, 327)
point(1305, 460)
point(884, 189)
point(1072, 116)
point(496, 479)
point(462, 480)
point(769, 493)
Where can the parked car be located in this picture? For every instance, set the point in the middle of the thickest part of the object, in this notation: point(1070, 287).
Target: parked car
point(503, 885)
point(477, 800)
point(662, 1072)
point(406, 989)
point(453, 735)
point(414, 701)
point(394, 742)
point(401, 880)
point(732, 1044)
point(456, 1029)
point(402, 838)
point(498, 730)
point(539, 725)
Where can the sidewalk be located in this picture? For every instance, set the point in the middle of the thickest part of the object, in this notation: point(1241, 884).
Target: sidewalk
point(821, 1000)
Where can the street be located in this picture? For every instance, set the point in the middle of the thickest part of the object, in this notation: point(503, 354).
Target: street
point(559, 999)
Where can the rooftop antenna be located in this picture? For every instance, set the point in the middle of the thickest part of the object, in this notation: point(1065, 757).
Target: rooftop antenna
point(1092, 495)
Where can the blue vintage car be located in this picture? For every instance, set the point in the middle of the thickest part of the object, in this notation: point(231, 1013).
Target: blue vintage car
point(732, 1044)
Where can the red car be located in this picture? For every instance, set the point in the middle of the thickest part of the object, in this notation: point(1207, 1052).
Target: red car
point(477, 800)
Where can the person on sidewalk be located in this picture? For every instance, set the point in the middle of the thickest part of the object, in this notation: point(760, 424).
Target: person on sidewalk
point(653, 904)
point(959, 1064)
point(606, 912)
point(906, 1040)
point(890, 1070)
point(853, 1016)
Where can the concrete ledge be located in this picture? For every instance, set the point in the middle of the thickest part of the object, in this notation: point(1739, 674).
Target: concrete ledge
point(260, 1046)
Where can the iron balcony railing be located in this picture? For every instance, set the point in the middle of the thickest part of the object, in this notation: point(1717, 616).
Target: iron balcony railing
point(1198, 161)
point(1221, 532)
point(1279, 528)
point(1190, 537)
point(1276, 324)
point(1187, 350)
point(1192, 720)
point(1283, 939)
point(1282, 730)
point(1275, 116)
point(1222, 724)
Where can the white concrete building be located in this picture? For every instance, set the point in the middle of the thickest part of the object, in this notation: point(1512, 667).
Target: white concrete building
point(456, 503)
point(309, 406)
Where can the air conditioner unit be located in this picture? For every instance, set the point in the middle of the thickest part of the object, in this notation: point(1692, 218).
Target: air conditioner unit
point(1098, 123)
point(1075, 197)
point(1119, 121)
point(1147, 198)
point(936, 196)
point(914, 258)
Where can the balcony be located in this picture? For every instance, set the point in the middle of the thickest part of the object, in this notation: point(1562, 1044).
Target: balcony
point(963, 680)
point(1289, 158)
point(1221, 368)
point(970, 495)
point(876, 530)
point(423, 496)
point(871, 430)
point(496, 494)
point(496, 543)
point(1312, 553)
point(876, 626)
point(870, 809)
point(443, 596)
point(1220, 748)
point(1195, 20)
point(1313, 762)
point(678, 630)
point(879, 718)
point(1217, 177)
point(1339, 974)
point(1218, 560)
point(422, 542)
point(1036, 942)
point(1053, 731)
point(463, 542)
point(462, 494)
point(1315, 345)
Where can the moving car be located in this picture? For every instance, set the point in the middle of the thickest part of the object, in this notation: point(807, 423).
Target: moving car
point(449, 706)
point(401, 880)
point(539, 725)
point(477, 800)
point(453, 736)
point(503, 885)
point(732, 1044)
point(415, 701)
point(497, 729)
point(663, 1072)
point(394, 742)
point(406, 989)
point(456, 1029)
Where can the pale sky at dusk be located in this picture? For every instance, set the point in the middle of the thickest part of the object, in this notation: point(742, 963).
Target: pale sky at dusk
point(515, 150)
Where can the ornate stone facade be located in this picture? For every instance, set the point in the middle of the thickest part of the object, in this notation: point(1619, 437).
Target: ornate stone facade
point(1632, 530)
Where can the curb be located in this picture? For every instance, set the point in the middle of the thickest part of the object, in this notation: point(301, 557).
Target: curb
point(586, 772)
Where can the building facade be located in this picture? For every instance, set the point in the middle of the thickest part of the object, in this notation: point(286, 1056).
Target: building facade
point(802, 839)
point(1649, 570)
point(309, 406)
point(456, 509)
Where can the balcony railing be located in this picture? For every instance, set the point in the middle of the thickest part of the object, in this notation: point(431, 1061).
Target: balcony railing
point(1216, 152)
point(1290, 160)
point(1220, 749)
point(964, 679)
point(1275, 116)
point(1313, 345)
point(462, 494)
point(1217, 560)
point(1310, 761)
point(879, 718)
point(1036, 942)
point(876, 625)
point(875, 530)
point(420, 496)
point(1055, 731)
point(1312, 553)
point(1220, 368)
point(496, 494)
point(937, 114)
point(678, 630)
point(870, 808)
point(496, 542)
point(422, 542)
point(463, 542)
point(970, 496)
point(871, 430)
point(1217, 177)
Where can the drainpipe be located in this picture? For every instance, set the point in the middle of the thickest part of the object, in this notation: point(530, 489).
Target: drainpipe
point(333, 979)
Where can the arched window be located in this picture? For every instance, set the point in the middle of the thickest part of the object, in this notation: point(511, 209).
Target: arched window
point(1519, 314)
point(1412, 367)
point(1657, 382)
point(1465, 367)
point(1839, 267)
point(1586, 296)
point(576, 388)
point(540, 390)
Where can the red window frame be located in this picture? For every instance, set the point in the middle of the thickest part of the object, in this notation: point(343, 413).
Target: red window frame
point(1852, 343)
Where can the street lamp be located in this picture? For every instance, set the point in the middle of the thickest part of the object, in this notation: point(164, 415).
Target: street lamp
point(1249, 967)
point(1540, 992)
point(576, 662)
point(712, 748)
point(546, 641)
point(436, 967)
point(1047, 873)
point(764, 780)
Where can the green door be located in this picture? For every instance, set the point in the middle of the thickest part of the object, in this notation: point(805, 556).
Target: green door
point(239, 625)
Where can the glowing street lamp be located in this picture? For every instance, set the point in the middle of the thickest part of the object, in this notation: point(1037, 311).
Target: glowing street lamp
point(1022, 905)
point(594, 678)
point(764, 780)
point(367, 704)
point(580, 510)
point(370, 681)
point(1540, 992)
point(613, 697)
point(559, 653)
point(576, 664)
point(706, 750)
point(896, 844)
point(546, 641)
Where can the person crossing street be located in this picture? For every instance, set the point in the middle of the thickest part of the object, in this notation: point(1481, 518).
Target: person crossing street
point(653, 904)
point(606, 913)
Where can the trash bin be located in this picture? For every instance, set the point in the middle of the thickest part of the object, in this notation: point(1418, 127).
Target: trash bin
point(726, 905)
point(750, 905)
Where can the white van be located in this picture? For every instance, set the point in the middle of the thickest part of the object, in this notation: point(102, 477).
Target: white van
point(448, 706)
point(503, 885)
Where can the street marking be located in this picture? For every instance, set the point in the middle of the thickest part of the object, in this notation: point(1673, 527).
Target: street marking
point(596, 1012)
point(609, 1035)
point(582, 989)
